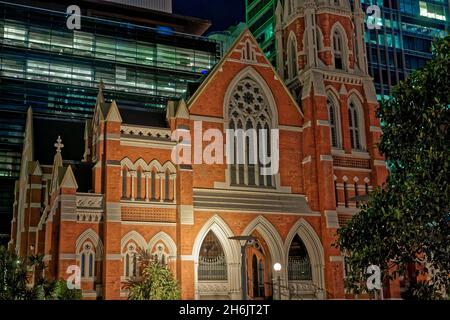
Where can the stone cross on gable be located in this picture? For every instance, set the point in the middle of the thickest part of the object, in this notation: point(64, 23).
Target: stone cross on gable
point(58, 144)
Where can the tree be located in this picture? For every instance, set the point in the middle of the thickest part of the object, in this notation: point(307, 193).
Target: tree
point(16, 282)
point(156, 281)
point(14, 277)
point(407, 221)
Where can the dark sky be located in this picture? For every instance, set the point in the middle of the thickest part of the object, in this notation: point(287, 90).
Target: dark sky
point(222, 13)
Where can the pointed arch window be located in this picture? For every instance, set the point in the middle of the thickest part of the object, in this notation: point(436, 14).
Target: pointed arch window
point(139, 183)
point(354, 126)
point(292, 59)
point(333, 116)
point(299, 264)
point(124, 183)
point(338, 50)
point(87, 260)
point(249, 110)
point(160, 254)
point(212, 264)
point(167, 186)
point(131, 261)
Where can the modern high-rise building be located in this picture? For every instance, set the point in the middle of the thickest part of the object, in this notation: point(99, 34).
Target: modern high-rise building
point(400, 40)
point(159, 5)
point(144, 57)
point(397, 42)
point(260, 17)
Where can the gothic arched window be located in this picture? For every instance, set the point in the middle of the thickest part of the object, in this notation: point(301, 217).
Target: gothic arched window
point(338, 50)
point(249, 110)
point(124, 183)
point(139, 183)
point(212, 264)
point(87, 257)
point(299, 265)
point(131, 263)
point(354, 127)
point(333, 116)
point(292, 59)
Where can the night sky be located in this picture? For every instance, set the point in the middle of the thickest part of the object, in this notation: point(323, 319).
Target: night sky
point(221, 13)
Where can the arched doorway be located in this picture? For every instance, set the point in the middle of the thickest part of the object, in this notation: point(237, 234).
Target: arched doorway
point(258, 270)
point(299, 271)
point(212, 272)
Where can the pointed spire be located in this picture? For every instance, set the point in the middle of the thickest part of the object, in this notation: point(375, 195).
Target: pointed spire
point(57, 161)
point(100, 96)
point(58, 144)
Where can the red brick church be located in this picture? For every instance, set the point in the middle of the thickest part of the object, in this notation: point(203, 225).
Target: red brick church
point(109, 188)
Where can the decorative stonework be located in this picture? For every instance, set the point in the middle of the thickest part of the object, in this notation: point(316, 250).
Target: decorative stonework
point(148, 214)
point(351, 163)
point(89, 216)
point(156, 133)
point(89, 207)
point(208, 287)
point(91, 201)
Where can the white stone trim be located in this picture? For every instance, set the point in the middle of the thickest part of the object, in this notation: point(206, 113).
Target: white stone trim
point(290, 128)
point(326, 157)
point(323, 123)
point(336, 259)
point(113, 257)
point(306, 160)
point(187, 214)
point(143, 143)
point(375, 129)
point(307, 124)
point(331, 219)
point(379, 163)
point(207, 119)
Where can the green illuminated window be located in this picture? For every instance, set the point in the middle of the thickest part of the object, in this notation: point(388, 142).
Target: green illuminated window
point(432, 11)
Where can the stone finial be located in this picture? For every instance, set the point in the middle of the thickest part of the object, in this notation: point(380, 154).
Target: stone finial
point(58, 144)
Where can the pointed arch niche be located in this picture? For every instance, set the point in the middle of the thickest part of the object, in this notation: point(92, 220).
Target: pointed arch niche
point(305, 261)
point(217, 262)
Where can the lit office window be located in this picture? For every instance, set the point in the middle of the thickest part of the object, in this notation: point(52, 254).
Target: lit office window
point(433, 11)
point(15, 33)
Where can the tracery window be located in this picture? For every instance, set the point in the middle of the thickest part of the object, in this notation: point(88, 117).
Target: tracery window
point(131, 261)
point(249, 110)
point(87, 260)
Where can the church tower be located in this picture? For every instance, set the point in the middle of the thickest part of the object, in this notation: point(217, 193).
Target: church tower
point(322, 59)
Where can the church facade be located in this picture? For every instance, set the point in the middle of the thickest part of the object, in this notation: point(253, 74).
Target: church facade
point(129, 194)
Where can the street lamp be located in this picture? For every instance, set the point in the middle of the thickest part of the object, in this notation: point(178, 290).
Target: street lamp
point(245, 242)
point(277, 268)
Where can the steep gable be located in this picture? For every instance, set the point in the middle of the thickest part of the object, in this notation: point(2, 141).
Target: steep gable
point(244, 58)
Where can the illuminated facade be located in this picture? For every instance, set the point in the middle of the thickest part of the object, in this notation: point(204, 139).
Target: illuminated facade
point(399, 43)
point(56, 71)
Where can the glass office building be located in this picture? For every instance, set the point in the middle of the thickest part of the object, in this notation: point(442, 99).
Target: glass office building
point(402, 40)
point(56, 71)
point(260, 18)
point(400, 43)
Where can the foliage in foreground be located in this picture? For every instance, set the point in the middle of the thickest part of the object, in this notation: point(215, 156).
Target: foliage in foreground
point(407, 222)
point(156, 281)
point(16, 279)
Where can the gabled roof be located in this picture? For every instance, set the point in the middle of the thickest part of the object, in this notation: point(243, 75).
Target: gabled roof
point(245, 33)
